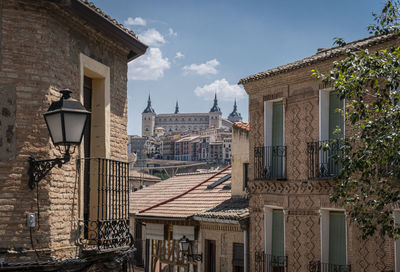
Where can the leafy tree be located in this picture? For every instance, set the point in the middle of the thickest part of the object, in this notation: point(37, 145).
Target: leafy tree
point(369, 183)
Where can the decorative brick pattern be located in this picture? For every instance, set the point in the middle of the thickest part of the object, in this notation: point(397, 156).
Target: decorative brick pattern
point(301, 198)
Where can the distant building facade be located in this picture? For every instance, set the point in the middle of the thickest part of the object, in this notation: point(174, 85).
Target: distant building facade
point(180, 122)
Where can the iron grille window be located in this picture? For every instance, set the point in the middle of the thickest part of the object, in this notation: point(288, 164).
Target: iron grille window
point(271, 263)
point(317, 266)
point(322, 158)
point(107, 224)
point(270, 162)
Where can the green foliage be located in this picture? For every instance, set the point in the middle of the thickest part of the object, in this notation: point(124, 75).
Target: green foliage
point(369, 184)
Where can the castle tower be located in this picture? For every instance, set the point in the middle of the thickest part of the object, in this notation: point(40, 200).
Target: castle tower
point(148, 120)
point(215, 115)
point(235, 116)
point(176, 108)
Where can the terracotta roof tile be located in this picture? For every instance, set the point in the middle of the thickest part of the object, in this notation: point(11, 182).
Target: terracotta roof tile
point(242, 125)
point(134, 174)
point(320, 56)
point(171, 198)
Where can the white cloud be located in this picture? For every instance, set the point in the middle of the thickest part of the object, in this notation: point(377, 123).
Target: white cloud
point(204, 68)
point(148, 67)
point(152, 37)
point(135, 21)
point(179, 55)
point(171, 32)
point(224, 91)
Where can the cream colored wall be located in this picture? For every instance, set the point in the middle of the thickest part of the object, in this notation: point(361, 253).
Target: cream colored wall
point(240, 155)
point(224, 235)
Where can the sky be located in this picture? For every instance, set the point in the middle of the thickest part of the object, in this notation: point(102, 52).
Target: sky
point(201, 47)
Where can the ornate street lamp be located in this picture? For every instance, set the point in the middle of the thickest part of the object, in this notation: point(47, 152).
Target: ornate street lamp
point(65, 120)
point(185, 245)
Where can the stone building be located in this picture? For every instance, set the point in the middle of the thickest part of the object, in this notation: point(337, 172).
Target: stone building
point(181, 122)
point(46, 46)
point(200, 207)
point(294, 227)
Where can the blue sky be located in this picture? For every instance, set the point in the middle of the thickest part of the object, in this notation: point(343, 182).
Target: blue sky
point(197, 47)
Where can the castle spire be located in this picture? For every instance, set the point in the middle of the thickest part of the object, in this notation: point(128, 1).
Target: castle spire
point(176, 107)
point(215, 107)
point(235, 116)
point(149, 108)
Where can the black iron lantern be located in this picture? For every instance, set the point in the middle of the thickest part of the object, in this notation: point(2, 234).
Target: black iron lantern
point(184, 246)
point(65, 120)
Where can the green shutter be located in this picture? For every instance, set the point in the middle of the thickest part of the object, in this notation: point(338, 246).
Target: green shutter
point(278, 233)
point(277, 162)
point(337, 238)
point(277, 124)
point(336, 119)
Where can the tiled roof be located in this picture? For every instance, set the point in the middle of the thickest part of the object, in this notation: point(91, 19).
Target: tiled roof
point(235, 208)
point(242, 125)
point(180, 196)
point(134, 174)
point(320, 56)
point(108, 18)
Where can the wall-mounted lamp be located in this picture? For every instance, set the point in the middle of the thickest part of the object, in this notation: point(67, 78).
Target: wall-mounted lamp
point(65, 120)
point(185, 244)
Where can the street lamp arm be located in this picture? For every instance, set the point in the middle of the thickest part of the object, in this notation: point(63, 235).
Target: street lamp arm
point(38, 169)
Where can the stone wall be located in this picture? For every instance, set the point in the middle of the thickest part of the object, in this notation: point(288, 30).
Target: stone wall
point(40, 48)
point(301, 198)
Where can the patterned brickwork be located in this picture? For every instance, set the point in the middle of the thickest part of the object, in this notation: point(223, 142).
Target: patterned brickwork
point(300, 198)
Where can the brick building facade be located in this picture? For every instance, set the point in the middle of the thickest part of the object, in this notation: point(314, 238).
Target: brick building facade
point(46, 46)
point(292, 220)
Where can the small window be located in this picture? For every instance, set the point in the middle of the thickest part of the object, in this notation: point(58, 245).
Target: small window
point(238, 257)
point(246, 177)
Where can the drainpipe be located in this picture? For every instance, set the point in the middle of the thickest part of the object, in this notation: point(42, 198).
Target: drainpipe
point(246, 241)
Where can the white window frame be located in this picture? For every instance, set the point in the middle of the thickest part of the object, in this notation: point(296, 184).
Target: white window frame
point(324, 229)
point(268, 110)
point(268, 228)
point(324, 114)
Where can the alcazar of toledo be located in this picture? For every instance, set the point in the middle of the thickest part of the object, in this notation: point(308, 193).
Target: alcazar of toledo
point(179, 122)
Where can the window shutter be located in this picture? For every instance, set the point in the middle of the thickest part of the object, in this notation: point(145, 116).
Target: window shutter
point(337, 238)
point(336, 119)
point(278, 234)
point(277, 124)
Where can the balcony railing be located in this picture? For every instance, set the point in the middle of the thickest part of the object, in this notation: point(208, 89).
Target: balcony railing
point(106, 202)
point(322, 162)
point(317, 266)
point(270, 162)
point(270, 263)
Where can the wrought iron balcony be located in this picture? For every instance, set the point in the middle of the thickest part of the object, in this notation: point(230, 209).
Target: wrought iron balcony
point(106, 202)
point(270, 163)
point(271, 263)
point(322, 162)
point(317, 266)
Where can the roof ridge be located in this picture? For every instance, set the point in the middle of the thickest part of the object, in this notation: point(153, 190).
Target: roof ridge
point(320, 56)
point(99, 11)
point(185, 192)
